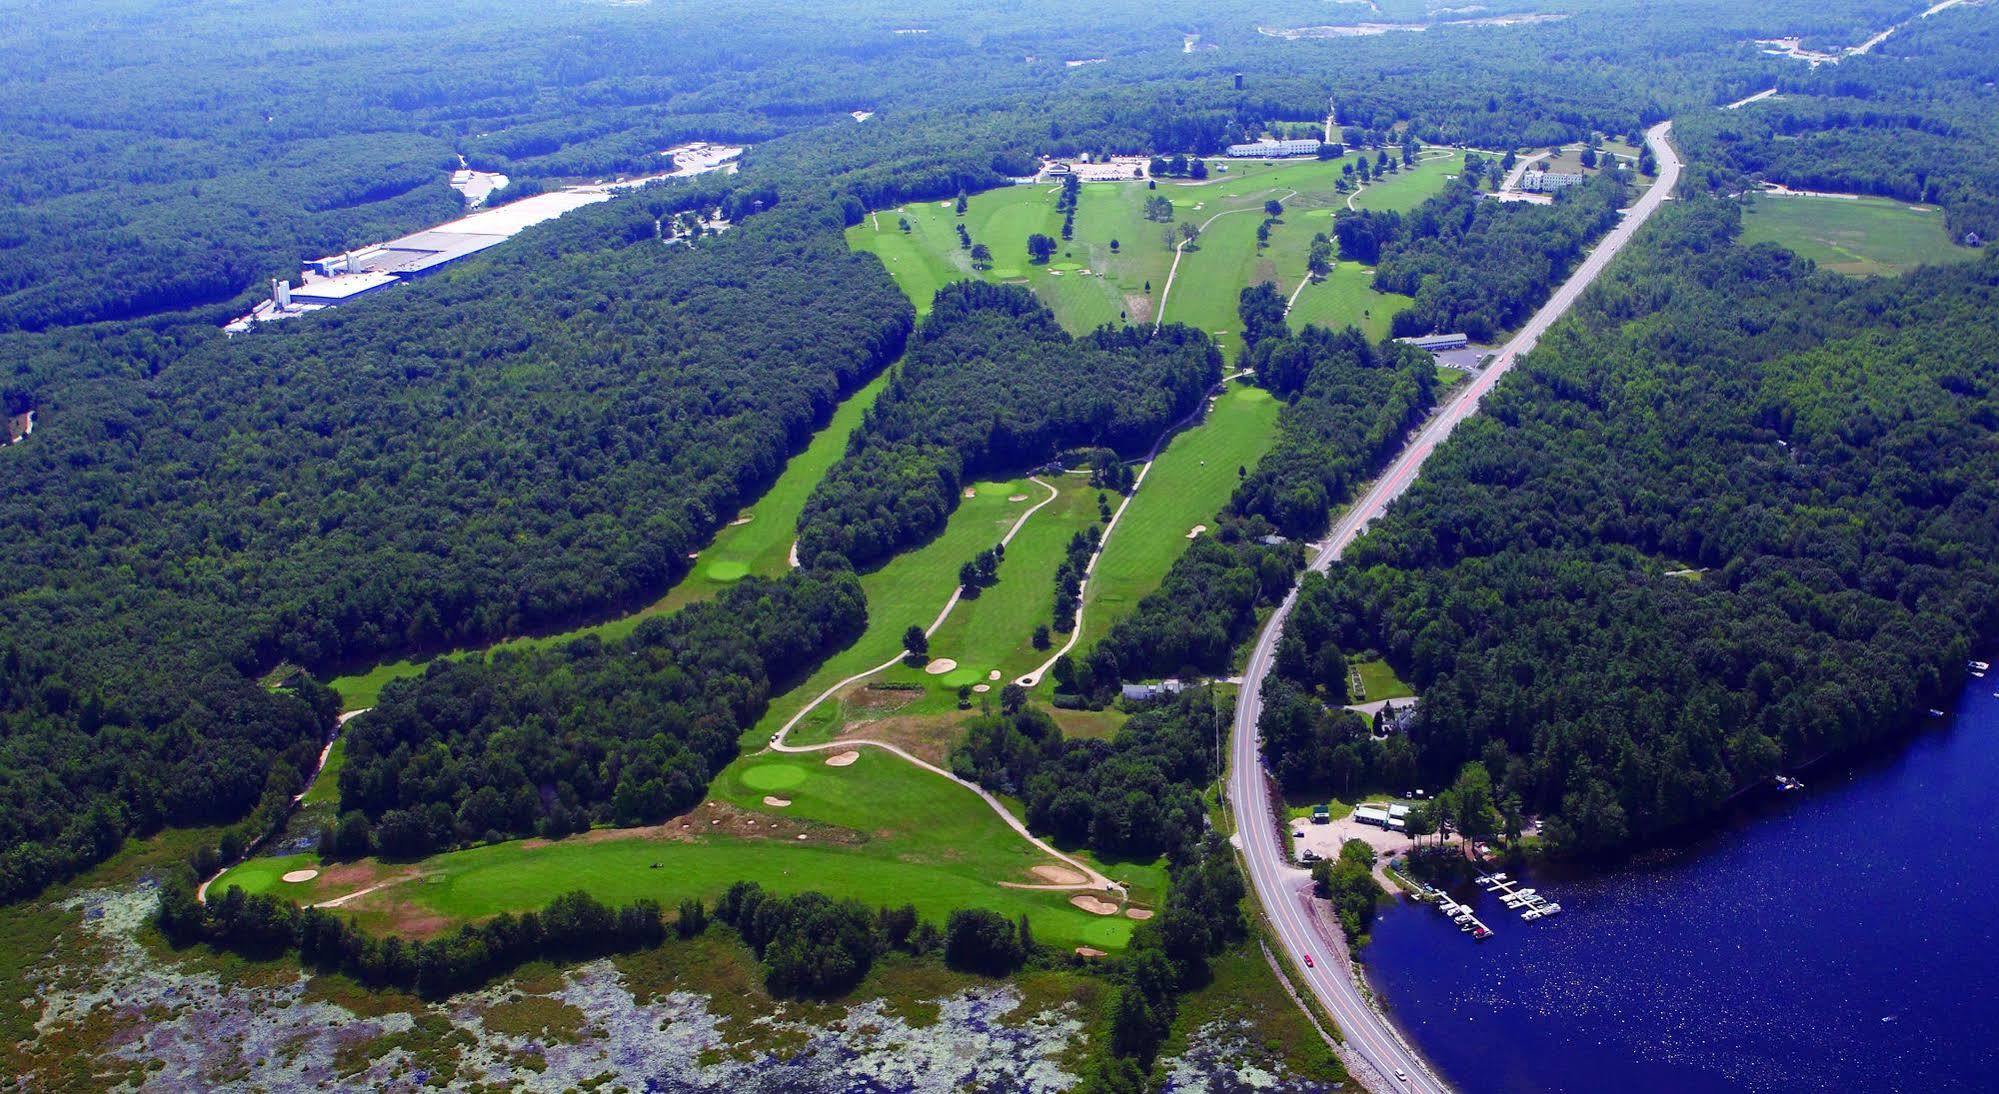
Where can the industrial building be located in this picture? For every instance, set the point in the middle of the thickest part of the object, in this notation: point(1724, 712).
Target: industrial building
point(1274, 149)
point(1542, 182)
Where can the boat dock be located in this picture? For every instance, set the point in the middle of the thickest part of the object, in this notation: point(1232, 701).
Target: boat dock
point(1530, 904)
point(1459, 914)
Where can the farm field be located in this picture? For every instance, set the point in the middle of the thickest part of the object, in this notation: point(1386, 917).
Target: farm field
point(1188, 485)
point(1088, 284)
point(879, 831)
point(761, 546)
point(1859, 237)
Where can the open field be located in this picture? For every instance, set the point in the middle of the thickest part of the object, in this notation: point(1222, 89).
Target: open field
point(1088, 283)
point(1378, 680)
point(1347, 298)
point(1188, 485)
point(911, 589)
point(1860, 237)
point(879, 830)
point(1411, 186)
point(762, 546)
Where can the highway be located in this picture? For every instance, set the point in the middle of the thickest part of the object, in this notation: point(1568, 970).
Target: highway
point(1283, 891)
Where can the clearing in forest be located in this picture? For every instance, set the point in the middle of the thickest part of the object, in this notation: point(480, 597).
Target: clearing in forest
point(1860, 237)
point(1087, 284)
point(878, 830)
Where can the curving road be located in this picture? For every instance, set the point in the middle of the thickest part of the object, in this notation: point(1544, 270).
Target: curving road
point(1283, 890)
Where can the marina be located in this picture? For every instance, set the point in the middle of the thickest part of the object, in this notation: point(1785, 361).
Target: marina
point(1528, 902)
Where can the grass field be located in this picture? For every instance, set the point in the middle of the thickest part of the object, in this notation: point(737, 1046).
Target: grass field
point(1378, 681)
point(1188, 485)
point(762, 546)
point(1860, 237)
point(880, 831)
point(1088, 283)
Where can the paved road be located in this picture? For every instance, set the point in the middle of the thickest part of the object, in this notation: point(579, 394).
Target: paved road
point(1282, 890)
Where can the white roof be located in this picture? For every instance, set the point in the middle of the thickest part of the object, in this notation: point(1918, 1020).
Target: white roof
point(342, 286)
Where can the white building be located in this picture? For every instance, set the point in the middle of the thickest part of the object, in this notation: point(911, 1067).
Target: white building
point(1545, 181)
point(1274, 149)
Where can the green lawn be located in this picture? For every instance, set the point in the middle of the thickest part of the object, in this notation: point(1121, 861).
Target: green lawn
point(1411, 186)
point(762, 546)
point(1347, 298)
point(1378, 681)
point(1860, 237)
point(910, 590)
point(1187, 486)
point(880, 831)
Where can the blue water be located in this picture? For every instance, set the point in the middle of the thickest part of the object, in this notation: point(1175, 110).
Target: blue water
point(1765, 957)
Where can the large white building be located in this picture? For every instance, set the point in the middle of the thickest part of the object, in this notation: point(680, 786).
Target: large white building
point(1274, 149)
point(1545, 181)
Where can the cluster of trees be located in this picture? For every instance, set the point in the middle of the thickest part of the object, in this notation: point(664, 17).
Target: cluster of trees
point(1176, 166)
point(549, 742)
point(1347, 880)
point(980, 571)
point(1476, 266)
point(1350, 403)
point(571, 927)
point(1821, 451)
point(1070, 574)
point(1135, 795)
point(810, 944)
point(991, 382)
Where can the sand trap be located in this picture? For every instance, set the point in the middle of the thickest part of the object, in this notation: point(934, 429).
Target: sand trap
point(1198, 529)
point(940, 666)
point(971, 493)
point(801, 835)
point(1058, 875)
point(844, 759)
point(981, 689)
point(993, 675)
point(1088, 951)
point(744, 519)
point(776, 803)
point(1017, 497)
point(294, 877)
point(1137, 913)
point(1093, 905)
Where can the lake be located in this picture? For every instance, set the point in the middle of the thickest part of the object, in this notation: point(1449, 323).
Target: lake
point(1842, 938)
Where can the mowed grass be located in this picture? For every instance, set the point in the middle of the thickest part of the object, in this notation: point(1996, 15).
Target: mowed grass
point(1859, 237)
point(1411, 186)
point(1379, 681)
point(880, 831)
point(1188, 485)
point(762, 547)
point(1346, 298)
point(909, 591)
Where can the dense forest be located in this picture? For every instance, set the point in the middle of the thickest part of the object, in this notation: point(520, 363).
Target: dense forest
point(549, 742)
point(1475, 266)
point(443, 467)
point(992, 383)
point(1735, 516)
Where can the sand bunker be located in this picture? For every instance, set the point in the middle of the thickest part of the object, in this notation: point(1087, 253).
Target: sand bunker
point(776, 803)
point(294, 877)
point(1137, 913)
point(940, 666)
point(981, 689)
point(844, 759)
point(1088, 951)
point(1198, 529)
point(993, 675)
point(1017, 497)
point(801, 835)
point(971, 493)
point(1093, 905)
point(1058, 875)
point(744, 519)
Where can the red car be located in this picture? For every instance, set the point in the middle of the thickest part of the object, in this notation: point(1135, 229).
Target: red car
point(1308, 962)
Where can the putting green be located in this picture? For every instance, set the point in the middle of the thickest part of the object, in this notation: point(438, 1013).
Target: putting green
point(959, 677)
point(1007, 274)
point(726, 570)
point(1065, 266)
point(773, 776)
